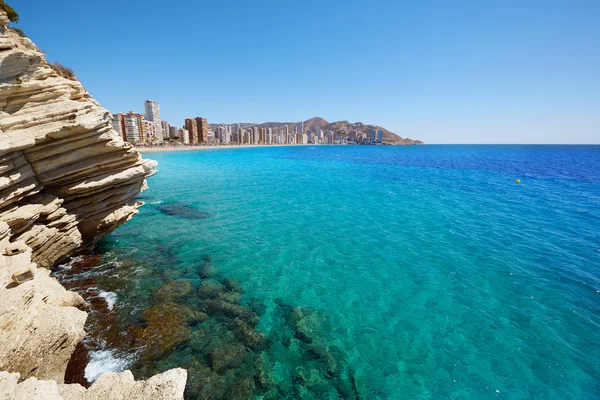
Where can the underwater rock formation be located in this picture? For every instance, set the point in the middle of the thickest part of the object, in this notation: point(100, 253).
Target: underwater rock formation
point(182, 211)
point(216, 337)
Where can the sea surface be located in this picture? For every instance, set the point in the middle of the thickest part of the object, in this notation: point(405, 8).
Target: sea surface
point(373, 272)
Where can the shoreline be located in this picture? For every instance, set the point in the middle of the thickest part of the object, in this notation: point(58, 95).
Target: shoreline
point(156, 149)
point(217, 147)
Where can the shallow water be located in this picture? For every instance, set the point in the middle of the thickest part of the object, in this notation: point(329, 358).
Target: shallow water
point(433, 274)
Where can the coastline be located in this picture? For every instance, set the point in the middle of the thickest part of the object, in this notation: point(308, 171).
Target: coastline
point(157, 149)
point(217, 147)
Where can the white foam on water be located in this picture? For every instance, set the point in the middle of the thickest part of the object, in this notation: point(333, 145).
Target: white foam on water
point(110, 297)
point(101, 362)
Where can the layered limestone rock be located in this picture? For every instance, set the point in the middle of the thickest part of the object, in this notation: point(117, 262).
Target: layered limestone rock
point(166, 386)
point(66, 179)
point(40, 324)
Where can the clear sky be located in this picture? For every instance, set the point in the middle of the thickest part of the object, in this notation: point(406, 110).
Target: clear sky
point(511, 71)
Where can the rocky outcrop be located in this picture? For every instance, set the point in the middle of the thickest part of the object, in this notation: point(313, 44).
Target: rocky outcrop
point(40, 321)
point(66, 180)
point(166, 386)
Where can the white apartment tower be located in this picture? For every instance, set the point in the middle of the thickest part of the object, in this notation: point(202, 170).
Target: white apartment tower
point(153, 115)
point(132, 128)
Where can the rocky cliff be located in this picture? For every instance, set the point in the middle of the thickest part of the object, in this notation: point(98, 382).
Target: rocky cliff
point(66, 179)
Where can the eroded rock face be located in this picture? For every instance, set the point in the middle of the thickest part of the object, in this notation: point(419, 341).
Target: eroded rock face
point(66, 179)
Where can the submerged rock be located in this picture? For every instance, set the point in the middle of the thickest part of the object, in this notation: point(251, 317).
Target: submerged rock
point(331, 357)
point(226, 357)
point(242, 389)
point(182, 211)
point(312, 378)
point(257, 306)
point(221, 307)
point(203, 383)
point(175, 291)
point(310, 325)
point(207, 270)
point(245, 333)
point(210, 289)
point(265, 375)
point(86, 262)
point(75, 372)
point(231, 297)
point(233, 285)
point(167, 326)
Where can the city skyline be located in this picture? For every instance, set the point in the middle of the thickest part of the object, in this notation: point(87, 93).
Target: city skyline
point(148, 129)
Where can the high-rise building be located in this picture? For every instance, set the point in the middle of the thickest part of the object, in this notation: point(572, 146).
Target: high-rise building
point(192, 128)
point(184, 134)
point(134, 127)
point(301, 127)
point(376, 135)
point(223, 134)
point(228, 133)
point(165, 129)
point(262, 139)
point(202, 125)
point(151, 130)
point(152, 109)
point(118, 124)
point(174, 132)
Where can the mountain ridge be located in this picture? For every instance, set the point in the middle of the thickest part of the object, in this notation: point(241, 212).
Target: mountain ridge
point(339, 127)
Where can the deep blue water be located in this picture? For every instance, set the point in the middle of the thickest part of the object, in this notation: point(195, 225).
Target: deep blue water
point(440, 277)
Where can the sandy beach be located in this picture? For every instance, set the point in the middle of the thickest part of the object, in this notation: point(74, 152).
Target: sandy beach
point(187, 148)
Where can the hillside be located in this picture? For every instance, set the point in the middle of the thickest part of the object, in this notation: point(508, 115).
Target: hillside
point(339, 127)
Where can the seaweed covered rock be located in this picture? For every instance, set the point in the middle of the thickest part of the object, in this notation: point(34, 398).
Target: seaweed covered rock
point(310, 325)
point(207, 270)
point(224, 308)
point(210, 289)
point(203, 383)
point(246, 334)
point(233, 285)
point(242, 389)
point(227, 356)
point(257, 306)
point(175, 291)
point(167, 326)
point(265, 375)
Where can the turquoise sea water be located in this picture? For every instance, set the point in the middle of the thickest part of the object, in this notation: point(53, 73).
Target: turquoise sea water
point(438, 275)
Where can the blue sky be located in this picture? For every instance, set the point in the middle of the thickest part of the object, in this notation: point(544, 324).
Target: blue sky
point(513, 71)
